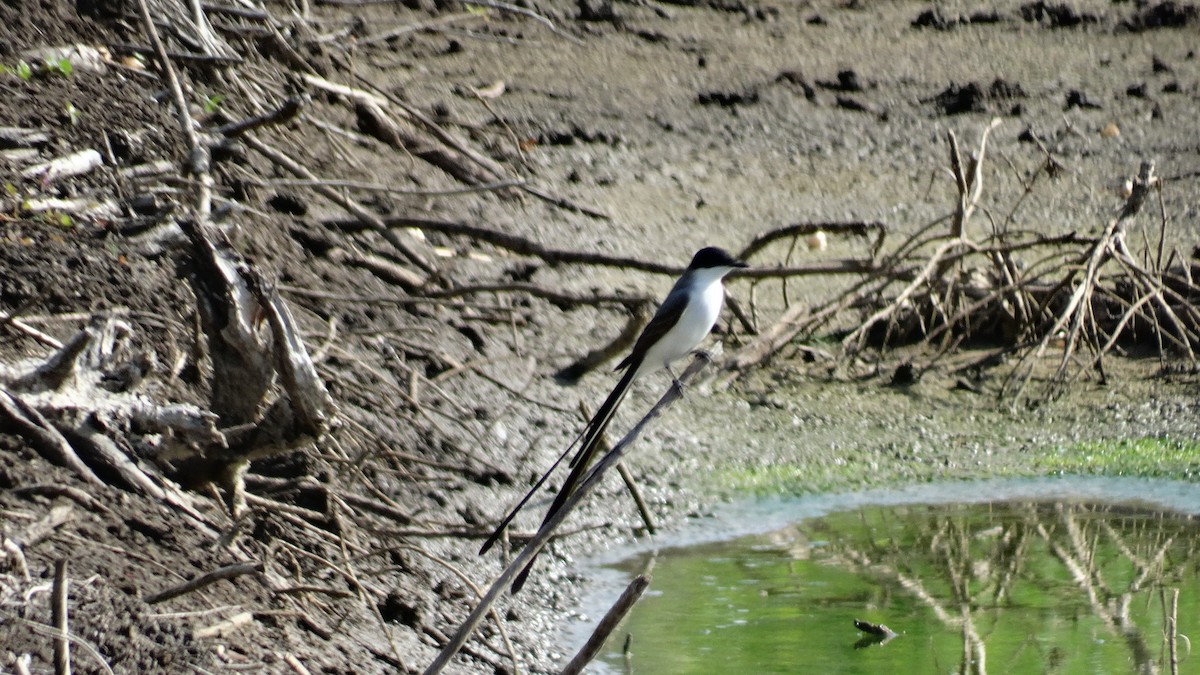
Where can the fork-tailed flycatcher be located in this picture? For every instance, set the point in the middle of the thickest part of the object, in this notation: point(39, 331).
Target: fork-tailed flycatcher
point(685, 317)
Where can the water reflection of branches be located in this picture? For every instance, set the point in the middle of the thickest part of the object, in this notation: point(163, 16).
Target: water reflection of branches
point(963, 569)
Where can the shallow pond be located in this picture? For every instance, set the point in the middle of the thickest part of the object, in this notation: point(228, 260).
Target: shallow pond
point(1072, 575)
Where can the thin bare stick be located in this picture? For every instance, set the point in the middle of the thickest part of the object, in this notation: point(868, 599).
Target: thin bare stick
point(227, 572)
point(535, 545)
point(199, 159)
point(450, 140)
point(633, 592)
point(48, 631)
point(62, 646)
point(931, 267)
point(360, 212)
point(418, 26)
point(969, 178)
point(1171, 629)
point(44, 437)
point(512, 653)
point(374, 187)
point(286, 112)
point(295, 665)
point(626, 477)
point(526, 246)
point(855, 228)
point(11, 320)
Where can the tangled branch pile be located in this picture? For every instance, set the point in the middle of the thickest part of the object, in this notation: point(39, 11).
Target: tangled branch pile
point(1019, 293)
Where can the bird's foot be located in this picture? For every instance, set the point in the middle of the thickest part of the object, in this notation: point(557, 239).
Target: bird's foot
point(676, 382)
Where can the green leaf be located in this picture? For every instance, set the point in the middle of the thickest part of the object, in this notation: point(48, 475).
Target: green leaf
point(73, 113)
point(65, 220)
point(24, 71)
point(213, 103)
point(63, 67)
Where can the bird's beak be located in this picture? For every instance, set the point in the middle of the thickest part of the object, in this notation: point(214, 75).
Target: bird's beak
point(740, 264)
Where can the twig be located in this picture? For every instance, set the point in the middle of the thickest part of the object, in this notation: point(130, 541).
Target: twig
point(969, 179)
point(11, 320)
point(636, 493)
point(363, 215)
point(224, 627)
point(633, 592)
point(62, 646)
point(535, 545)
point(51, 632)
point(626, 477)
point(295, 665)
point(512, 653)
point(526, 246)
point(228, 572)
point(343, 90)
point(199, 159)
point(375, 122)
point(488, 164)
point(1171, 629)
point(73, 493)
point(506, 7)
point(281, 115)
point(560, 299)
point(418, 26)
point(374, 187)
point(619, 344)
point(935, 262)
point(44, 437)
point(856, 228)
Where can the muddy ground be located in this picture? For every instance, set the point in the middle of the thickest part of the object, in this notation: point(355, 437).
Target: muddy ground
point(684, 124)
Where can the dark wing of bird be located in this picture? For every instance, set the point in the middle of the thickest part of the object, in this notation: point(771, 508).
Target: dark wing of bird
point(663, 321)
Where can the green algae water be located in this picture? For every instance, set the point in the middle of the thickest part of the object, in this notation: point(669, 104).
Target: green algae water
point(1068, 576)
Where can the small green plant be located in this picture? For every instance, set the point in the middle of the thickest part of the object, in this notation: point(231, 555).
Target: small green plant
point(73, 113)
point(24, 71)
point(213, 103)
point(60, 66)
point(58, 218)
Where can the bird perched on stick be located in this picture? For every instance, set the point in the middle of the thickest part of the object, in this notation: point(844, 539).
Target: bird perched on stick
point(684, 318)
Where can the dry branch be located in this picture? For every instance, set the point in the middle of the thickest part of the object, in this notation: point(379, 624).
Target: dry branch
point(234, 301)
point(62, 646)
point(227, 572)
point(364, 215)
point(520, 565)
point(618, 345)
point(556, 256)
point(280, 115)
point(373, 121)
point(856, 228)
point(198, 159)
point(630, 596)
point(46, 439)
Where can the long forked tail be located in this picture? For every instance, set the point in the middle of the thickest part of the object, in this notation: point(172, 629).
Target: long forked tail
point(591, 437)
point(583, 459)
point(495, 536)
point(591, 440)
